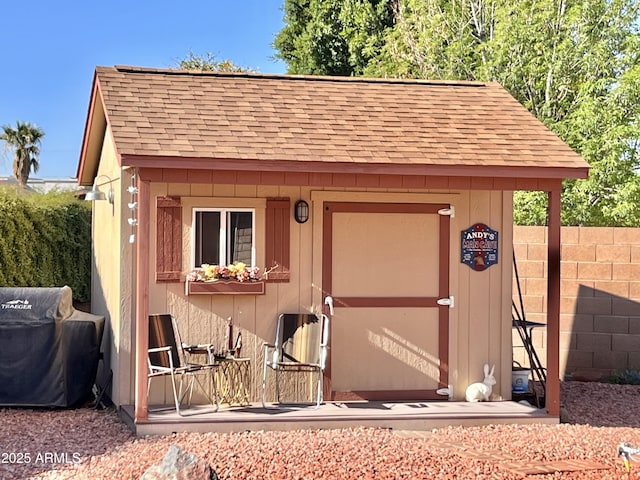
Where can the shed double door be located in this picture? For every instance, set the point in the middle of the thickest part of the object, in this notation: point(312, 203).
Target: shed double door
point(386, 266)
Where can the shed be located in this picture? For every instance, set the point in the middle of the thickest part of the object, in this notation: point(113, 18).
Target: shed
point(394, 173)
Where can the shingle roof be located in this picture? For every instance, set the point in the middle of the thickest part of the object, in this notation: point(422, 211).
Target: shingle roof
point(333, 120)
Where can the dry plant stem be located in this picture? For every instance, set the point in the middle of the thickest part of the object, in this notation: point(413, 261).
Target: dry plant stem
point(602, 416)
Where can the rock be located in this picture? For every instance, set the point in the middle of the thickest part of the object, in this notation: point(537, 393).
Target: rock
point(180, 465)
point(564, 415)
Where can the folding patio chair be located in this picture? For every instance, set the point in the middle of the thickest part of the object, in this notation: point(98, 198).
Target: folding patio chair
point(167, 358)
point(301, 345)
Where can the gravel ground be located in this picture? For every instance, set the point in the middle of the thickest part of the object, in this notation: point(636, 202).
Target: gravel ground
point(89, 444)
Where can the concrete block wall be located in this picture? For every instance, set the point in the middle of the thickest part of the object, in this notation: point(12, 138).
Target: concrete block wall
point(600, 298)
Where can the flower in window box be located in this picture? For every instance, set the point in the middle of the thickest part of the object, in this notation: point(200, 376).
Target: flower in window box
point(236, 271)
point(210, 272)
point(223, 272)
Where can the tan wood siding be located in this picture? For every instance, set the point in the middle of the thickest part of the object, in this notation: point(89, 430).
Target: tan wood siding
point(203, 318)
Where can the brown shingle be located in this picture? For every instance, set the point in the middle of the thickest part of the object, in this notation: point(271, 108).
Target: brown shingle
point(159, 113)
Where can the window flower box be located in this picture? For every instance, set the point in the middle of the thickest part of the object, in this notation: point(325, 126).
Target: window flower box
point(234, 279)
point(225, 287)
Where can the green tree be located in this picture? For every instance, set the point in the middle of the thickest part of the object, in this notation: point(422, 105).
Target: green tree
point(575, 64)
point(434, 39)
point(45, 241)
point(25, 141)
point(339, 37)
point(209, 63)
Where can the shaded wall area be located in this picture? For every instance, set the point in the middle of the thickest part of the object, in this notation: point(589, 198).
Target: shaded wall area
point(600, 298)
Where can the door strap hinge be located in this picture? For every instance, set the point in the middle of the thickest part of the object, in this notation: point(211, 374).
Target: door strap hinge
point(448, 301)
point(451, 211)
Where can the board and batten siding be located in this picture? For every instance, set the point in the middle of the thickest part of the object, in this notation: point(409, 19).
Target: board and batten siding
point(480, 323)
point(113, 273)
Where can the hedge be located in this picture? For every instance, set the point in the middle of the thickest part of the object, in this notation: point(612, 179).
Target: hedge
point(45, 241)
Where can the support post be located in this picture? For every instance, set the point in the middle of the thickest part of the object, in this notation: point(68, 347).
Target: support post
point(552, 400)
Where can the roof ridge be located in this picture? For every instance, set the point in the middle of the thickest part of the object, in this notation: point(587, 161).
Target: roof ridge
point(315, 78)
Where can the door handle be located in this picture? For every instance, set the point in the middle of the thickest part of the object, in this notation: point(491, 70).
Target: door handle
point(328, 300)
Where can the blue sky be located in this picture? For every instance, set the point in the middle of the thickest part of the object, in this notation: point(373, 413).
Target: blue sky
point(50, 50)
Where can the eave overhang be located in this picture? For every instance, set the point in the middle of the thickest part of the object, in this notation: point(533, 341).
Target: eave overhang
point(256, 165)
point(93, 139)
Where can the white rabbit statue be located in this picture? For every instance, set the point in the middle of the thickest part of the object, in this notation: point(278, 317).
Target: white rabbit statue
point(480, 392)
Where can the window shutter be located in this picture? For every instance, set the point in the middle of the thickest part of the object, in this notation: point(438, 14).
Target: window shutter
point(169, 239)
point(278, 220)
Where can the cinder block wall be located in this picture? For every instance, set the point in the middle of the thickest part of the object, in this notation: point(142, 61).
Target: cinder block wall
point(600, 298)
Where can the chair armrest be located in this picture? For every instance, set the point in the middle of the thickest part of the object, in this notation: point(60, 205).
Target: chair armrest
point(199, 345)
point(166, 350)
point(159, 349)
point(266, 347)
point(274, 356)
point(208, 347)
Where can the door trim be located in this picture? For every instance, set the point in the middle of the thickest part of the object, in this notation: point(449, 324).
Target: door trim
point(328, 209)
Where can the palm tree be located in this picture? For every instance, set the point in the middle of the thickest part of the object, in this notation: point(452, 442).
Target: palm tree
point(25, 140)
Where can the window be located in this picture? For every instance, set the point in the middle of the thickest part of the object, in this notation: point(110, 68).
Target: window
point(223, 236)
point(213, 244)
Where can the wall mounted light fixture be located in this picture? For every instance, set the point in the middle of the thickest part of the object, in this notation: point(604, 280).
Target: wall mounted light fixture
point(301, 211)
point(96, 194)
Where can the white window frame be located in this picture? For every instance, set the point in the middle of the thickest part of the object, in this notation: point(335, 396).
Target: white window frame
point(223, 232)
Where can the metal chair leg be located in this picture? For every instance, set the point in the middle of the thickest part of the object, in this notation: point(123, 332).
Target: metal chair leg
point(277, 385)
point(319, 393)
point(264, 384)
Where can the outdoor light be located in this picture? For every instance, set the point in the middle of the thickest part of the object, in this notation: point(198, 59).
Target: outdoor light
point(95, 194)
point(301, 211)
